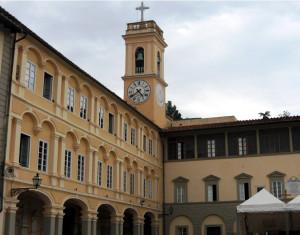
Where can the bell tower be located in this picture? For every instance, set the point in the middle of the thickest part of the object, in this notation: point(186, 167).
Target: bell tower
point(144, 84)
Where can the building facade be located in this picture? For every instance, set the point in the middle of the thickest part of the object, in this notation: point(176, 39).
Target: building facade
point(115, 166)
point(100, 160)
point(211, 166)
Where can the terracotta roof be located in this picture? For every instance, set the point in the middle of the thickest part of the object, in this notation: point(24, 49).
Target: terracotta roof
point(7, 18)
point(233, 124)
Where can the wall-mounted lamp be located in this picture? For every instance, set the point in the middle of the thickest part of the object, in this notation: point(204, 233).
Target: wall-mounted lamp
point(36, 182)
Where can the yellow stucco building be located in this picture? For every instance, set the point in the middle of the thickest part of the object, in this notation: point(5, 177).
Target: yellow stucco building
point(121, 166)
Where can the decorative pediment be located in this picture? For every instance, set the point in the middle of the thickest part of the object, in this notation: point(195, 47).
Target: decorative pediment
point(211, 178)
point(180, 179)
point(275, 174)
point(243, 176)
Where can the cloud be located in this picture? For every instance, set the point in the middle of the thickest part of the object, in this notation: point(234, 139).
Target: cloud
point(224, 58)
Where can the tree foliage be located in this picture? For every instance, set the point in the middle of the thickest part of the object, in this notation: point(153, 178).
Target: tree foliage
point(285, 113)
point(265, 115)
point(172, 112)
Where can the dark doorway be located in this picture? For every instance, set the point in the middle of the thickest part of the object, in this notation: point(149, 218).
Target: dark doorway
point(128, 225)
point(29, 216)
point(105, 213)
point(213, 230)
point(148, 224)
point(72, 219)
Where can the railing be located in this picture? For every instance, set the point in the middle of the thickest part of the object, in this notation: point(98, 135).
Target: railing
point(144, 25)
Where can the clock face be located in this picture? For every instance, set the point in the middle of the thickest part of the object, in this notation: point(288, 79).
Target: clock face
point(139, 91)
point(160, 95)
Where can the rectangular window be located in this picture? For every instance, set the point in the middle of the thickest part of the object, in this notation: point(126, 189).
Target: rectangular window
point(109, 182)
point(150, 147)
point(179, 150)
point(132, 182)
point(242, 145)
point(43, 154)
point(24, 150)
point(133, 136)
point(211, 148)
point(111, 123)
point(180, 193)
point(125, 131)
point(181, 230)
point(144, 143)
point(47, 89)
point(144, 187)
point(101, 117)
point(150, 188)
point(70, 99)
point(99, 173)
point(244, 191)
point(274, 140)
point(277, 188)
point(212, 192)
point(68, 156)
point(80, 168)
point(124, 181)
point(30, 75)
point(83, 107)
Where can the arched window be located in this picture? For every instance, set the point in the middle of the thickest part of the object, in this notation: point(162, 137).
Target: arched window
point(158, 64)
point(139, 60)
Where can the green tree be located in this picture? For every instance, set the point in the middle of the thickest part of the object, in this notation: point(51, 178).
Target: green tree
point(265, 115)
point(285, 113)
point(172, 112)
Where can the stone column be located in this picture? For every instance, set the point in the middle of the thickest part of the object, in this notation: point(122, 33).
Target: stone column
point(16, 150)
point(62, 162)
point(155, 228)
point(23, 67)
point(59, 223)
point(95, 168)
point(88, 223)
point(10, 220)
point(138, 226)
point(49, 222)
point(94, 225)
point(117, 175)
point(55, 159)
point(116, 225)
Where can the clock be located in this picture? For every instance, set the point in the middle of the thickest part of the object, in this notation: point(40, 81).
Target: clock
point(160, 95)
point(138, 91)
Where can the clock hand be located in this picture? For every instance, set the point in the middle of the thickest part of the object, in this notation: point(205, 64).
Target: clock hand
point(139, 91)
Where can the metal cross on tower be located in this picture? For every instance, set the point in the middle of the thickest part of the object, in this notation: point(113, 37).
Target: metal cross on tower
point(142, 8)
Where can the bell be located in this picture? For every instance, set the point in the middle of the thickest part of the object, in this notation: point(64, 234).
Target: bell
point(140, 56)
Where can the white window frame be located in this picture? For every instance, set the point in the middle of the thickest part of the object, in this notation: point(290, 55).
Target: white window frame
point(277, 187)
point(70, 99)
point(125, 181)
point(101, 118)
point(99, 172)
point(132, 183)
point(112, 124)
point(43, 156)
point(150, 148)
point(109, 179)
point(133, 136)
point(211, 148)
point(51, 88)
point(83, 106)
point(29, 150)
point(68, 163)
point(80, 168)
point(242, 146)
point(180, 193)
point(125, 126)
point(30, 81)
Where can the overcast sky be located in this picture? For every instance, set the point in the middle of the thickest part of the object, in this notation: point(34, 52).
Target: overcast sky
point(223, 58)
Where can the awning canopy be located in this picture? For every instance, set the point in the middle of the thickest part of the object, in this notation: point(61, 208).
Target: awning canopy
point(294, 205)
point(262, 202)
